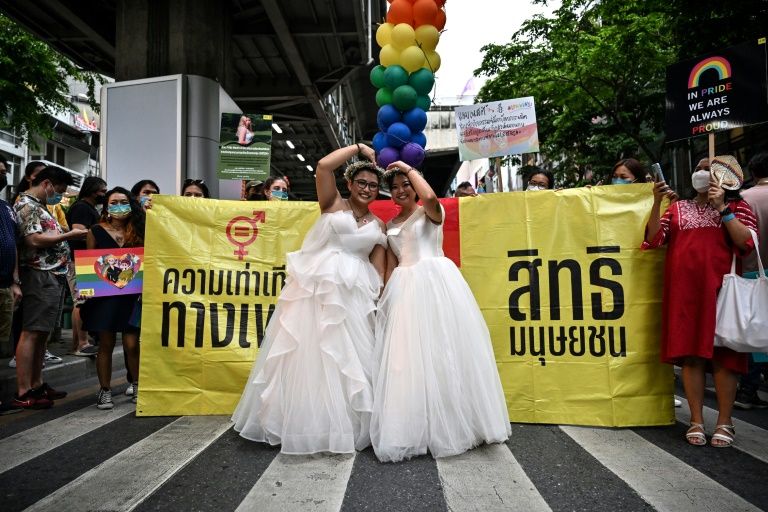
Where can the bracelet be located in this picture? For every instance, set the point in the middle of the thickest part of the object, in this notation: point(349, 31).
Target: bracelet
point(729, 217)
point(726, 211)
point(358, 148)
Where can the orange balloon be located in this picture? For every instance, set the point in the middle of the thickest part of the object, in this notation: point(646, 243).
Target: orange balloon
point(439, 21)
point(400, 11)
point(424, 12)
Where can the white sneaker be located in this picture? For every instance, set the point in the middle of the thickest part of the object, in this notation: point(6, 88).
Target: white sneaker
point(12, 362)
point(129, 390)
point(678, 402)
point(52, 359)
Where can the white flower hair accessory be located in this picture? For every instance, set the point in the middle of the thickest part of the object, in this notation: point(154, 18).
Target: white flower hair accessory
point(362, 165)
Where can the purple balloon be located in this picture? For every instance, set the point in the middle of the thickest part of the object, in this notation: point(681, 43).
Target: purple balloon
point(387, 156)
point(412, 154)
point(398, 134)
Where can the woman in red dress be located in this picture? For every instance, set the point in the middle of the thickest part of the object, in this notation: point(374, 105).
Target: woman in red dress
point(702, 234)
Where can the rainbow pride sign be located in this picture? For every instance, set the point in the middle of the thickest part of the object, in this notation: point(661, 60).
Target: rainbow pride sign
point(107, 272)
point(717, 63)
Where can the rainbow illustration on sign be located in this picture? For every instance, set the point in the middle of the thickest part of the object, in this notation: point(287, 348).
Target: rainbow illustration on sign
point(719, 64)
point(106, 272)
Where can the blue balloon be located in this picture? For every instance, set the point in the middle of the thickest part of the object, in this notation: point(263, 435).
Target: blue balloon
point(398, 135)
point(420, 139)
point(379, 141)
point(415, 119)
point(387, 115)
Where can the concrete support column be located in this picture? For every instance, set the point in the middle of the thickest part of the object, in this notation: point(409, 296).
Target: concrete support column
point(167, 37)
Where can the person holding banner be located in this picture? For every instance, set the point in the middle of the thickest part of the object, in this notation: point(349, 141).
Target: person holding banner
point(702, 234)
point(436, 385)
point(310, 387)
point(121, 226)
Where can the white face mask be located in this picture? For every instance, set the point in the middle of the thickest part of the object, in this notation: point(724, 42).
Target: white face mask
point(535, 187)
point(700, 180)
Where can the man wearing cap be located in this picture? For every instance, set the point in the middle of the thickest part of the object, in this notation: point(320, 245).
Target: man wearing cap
point(254, 191)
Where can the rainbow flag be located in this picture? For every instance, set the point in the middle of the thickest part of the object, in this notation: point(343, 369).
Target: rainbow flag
point(106, 272)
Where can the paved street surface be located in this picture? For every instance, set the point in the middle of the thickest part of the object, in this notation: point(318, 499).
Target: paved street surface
point(76, 457)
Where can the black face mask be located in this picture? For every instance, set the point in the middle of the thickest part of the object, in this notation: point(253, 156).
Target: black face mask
point(3, 181)
point(100, 198)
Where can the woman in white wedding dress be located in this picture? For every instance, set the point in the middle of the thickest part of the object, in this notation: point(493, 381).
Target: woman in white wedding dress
point(310, 387)
point(436, 385)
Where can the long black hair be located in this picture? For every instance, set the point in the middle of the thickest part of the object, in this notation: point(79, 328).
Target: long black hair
point(136, 189)
point(134, 233)
point(91, 185)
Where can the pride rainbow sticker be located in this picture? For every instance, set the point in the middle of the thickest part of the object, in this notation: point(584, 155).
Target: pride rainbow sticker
point(719, 64)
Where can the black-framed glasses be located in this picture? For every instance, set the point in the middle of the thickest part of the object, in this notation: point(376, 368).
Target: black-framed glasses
point(190, 181)
point(370, 185)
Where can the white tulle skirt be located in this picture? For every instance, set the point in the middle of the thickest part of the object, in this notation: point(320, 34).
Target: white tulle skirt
point(309, 389)
point(436, 385)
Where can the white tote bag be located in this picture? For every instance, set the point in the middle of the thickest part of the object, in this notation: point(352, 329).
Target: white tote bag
point(742, 310)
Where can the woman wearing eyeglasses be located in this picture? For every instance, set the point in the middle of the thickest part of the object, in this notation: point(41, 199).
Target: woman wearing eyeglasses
point(436, 385)
point(310, 388)
point(195, 188)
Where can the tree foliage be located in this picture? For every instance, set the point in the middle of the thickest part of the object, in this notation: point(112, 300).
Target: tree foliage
point(597, 69)
point(33, 81)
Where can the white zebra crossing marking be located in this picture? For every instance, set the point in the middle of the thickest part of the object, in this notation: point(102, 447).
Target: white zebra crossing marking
point(19, 448)
point(125, 480)
point(488, 479)
point(301, 482)
point(749, 438)
point(661, 479)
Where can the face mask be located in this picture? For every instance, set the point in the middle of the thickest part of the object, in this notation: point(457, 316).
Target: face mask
point(621, 181)
point(143, 200)
point(700, 180)
point(279, 194)
point(535, 187)
point(100, 198)
point(3, 181)
point(54, 199)
point(119, 210)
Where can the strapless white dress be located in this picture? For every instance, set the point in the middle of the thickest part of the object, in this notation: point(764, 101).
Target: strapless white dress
point(310, 387)
point(436, 384)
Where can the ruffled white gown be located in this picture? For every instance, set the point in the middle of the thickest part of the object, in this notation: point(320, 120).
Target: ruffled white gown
point(436, 385)
point(310, 387)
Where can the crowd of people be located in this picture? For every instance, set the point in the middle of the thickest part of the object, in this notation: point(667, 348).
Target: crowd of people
point(327, 370)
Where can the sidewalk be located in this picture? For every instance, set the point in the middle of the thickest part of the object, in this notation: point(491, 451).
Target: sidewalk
point(73, 370)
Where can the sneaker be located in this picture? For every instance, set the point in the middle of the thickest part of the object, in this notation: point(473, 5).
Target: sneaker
point(86, 351)
point(759, 403)
point(135, 392)
point(10, 408)
point(51, 359)
point(678, 402)
point(746, 401)
point(29, 401)
point(130, 390)
point(12, 362)
point(104, 401)
point(46, 391)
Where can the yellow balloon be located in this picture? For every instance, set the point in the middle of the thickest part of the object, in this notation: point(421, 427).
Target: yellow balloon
point(403, 36)
point(433, 61)
point(428, 37)
point(389, 56)
point(412, 58)
point(384, 34)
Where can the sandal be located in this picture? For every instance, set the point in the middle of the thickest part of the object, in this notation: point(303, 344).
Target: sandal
point(696, 437)
point(726, 438)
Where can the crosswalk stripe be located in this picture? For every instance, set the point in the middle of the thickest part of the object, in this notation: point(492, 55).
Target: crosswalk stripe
point(488, 478)
point(19, 448)
point(749, 438)
point(660, 478)
point(149, 463)
point(299, 482)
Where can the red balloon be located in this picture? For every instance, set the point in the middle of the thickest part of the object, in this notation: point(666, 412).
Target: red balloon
point(401, 11)
point(424, 12)
point(439, 20)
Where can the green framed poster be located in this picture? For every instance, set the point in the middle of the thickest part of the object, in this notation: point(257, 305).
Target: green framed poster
point(245, 146)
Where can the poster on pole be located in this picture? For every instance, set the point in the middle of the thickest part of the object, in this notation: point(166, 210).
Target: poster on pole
point(719, 91)
point(245, 146)
point(499, 128)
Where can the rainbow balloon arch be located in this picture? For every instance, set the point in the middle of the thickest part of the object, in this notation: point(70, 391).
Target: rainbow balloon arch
point(405, 77)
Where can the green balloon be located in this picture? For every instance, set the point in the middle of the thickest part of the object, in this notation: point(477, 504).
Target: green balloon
point(404, 97)
point(422, 80)
point(377, 76)
point(423, 102)
point(383, 97)
point(395, 76)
